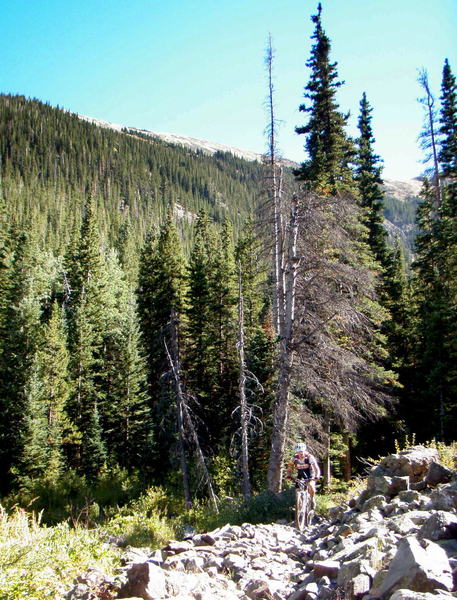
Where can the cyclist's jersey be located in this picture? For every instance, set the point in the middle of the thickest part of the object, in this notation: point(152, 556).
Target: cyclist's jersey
point(305, 467)
point(302, 465)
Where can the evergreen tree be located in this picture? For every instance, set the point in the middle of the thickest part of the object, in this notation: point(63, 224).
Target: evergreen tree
point(329, 150)
point(86, 308)
point(330, 350)
point(211, 359)
point(46, 420)
point(29, 286)
point(368, 178)
point(435, 282)
point(448, 160)
point(448, 119)
point(85, 366)
point(162, 287)
point(161, 303)
point(125, 410)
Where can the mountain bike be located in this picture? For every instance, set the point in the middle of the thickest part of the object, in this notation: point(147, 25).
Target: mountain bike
point(304, 508)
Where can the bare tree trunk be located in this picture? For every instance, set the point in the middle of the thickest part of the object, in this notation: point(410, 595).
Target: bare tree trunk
point(327, 466)
point(274, 188)
point(246, 484)
point(200, 458)
point(173, 361)
point(285, 265)
point(278, 437)
point(429, 102)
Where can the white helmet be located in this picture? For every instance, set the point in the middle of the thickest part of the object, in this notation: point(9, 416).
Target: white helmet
point(300, 447)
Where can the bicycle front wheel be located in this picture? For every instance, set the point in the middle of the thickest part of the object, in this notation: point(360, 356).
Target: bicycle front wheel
point(301, 509)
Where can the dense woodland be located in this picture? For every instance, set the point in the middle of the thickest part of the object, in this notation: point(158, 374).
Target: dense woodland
point(186, 317)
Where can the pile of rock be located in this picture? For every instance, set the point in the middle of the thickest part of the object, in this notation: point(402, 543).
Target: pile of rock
point(396, 541)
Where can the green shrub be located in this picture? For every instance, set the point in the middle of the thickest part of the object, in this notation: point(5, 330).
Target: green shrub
point(139, 529)
point(72, 497)
point(146, 520)
point(447, 453)
point(39, 562)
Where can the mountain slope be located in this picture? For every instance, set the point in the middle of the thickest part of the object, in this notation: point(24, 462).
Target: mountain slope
point(401, 197)
point(51, 159)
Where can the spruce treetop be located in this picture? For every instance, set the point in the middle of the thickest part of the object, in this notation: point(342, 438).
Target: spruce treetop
point(329, 149)
point(448, 130)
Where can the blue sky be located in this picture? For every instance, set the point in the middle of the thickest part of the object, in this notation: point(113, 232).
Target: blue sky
point(196, 68)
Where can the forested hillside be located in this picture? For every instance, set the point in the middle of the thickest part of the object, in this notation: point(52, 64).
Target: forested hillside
point(51, 160)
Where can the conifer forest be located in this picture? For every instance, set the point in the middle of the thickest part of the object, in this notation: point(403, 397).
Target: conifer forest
point(180, 318)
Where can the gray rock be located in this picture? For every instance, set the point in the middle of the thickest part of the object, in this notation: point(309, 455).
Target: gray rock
point(336, 512)
point(378, 501)
point(402, 525)
point(257, 589)
point(357, 587)
point(409, 496)
point(449, 546)
point(412, 462)
point(350, 570)
point(437, 473)
point(422, 567)
point(146, 581)
point(439, 526)
point(444, 499)
point(384, 485)
point(410, 595)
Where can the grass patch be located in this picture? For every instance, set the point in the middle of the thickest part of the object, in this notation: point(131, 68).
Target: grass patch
point(39, 562)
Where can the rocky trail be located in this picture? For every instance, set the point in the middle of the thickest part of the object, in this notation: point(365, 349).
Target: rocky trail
point(396, 541)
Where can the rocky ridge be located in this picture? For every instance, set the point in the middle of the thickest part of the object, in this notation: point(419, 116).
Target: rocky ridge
point(396, 541)
point(403, 190)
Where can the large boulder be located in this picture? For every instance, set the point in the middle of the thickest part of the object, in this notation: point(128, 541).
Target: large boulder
point(441, 525)
point(437, 473)
point(145, 580)
point(413, 463)
point(420, 566)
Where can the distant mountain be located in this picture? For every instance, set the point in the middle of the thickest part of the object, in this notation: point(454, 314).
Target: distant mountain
point(401, 197)
point(195, 144)
point(51, 159)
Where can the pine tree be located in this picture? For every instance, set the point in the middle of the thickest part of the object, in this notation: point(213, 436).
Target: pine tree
point(448, 119)
point(29, 285)
point(161, 303)
point(85, 367)
point(162, 287)
point(435, 282)
point(368, 178)
point(125, 411)
point(448, 161)
point(48, 390)
point(86, 309)
point(329, 150)
point(330, 346)
point(211, 358)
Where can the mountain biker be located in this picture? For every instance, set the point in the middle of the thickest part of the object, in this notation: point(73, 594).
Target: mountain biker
point(306, 467)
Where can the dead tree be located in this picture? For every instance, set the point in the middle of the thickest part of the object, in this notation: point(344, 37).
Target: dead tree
point(427, 137)
point(186, 427)
point(285, 263)
point(244, 414)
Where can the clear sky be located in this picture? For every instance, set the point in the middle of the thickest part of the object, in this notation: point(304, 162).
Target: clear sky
point(196, 67)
